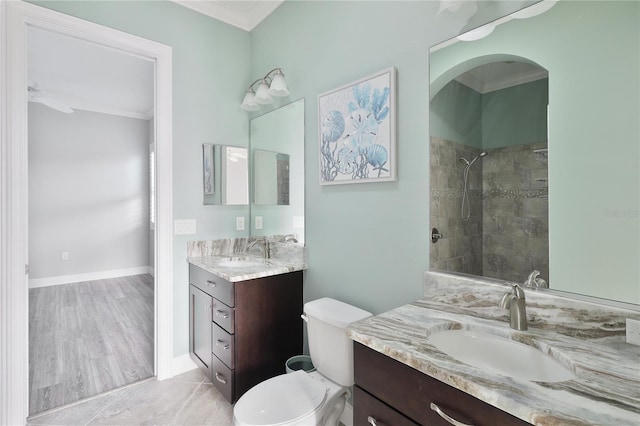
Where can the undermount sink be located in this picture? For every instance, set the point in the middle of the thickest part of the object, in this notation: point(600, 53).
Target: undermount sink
point(500, 355)
point(241, 262)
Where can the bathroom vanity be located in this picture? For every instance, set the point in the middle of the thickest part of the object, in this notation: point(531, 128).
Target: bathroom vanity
point(244, 322)
point(402, 377)
point(397, 393)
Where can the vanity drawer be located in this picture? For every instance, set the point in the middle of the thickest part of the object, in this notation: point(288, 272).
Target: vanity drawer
point(223, 315)
point(367, 407)
point(222, 343)
point(217, 287)
point(222, 379)
point(411, 392)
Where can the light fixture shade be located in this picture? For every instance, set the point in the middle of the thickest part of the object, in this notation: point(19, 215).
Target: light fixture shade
point(262, 94)
point(478, 33)
point(249, 102)
point(278, 86)
point(465, 9)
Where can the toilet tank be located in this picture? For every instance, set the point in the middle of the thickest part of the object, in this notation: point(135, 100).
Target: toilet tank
point(330, 349)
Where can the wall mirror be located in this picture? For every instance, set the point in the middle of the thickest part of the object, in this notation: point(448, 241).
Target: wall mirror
point(270, 178)
point(277, 172)
point(225, 175)
point(535, 149)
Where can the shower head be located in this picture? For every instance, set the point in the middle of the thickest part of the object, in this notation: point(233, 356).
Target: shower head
point(482, 154)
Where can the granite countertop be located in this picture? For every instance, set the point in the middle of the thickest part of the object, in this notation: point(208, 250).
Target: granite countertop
point(262, 268)
point(605, 391)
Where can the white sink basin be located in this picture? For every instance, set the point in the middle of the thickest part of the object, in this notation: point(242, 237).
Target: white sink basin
point(500, 355)
point(241, 263)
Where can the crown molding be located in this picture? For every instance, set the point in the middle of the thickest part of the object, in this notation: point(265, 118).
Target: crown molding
point(514, 80)
point(217, 10)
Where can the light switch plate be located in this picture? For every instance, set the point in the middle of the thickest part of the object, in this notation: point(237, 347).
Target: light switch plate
point(633, 332)
point(258, 222)
point(184, 226)
point(240, 223)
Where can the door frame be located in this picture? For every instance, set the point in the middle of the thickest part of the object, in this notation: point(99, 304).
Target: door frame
point(14, 292)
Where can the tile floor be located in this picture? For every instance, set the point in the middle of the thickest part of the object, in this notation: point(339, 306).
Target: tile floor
point(187, 399)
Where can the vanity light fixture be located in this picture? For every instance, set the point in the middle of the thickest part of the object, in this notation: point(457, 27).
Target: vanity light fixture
point(464, 9)
point(270, 85)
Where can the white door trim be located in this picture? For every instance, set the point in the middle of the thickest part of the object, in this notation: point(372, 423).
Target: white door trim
point(14, 354)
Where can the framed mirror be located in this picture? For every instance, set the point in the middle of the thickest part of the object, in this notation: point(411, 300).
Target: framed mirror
point(225, 175)
point(277, 172)
point(535, 149)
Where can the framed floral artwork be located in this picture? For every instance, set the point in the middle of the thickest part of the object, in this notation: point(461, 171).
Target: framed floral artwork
point(356, 126)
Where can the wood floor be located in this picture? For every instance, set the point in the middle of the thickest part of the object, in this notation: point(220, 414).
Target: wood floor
point(87, 338)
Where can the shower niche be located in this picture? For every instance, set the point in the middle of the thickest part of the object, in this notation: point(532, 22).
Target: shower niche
point(488, 171)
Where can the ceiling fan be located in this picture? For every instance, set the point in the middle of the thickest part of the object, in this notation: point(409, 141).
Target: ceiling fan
point(39, 96)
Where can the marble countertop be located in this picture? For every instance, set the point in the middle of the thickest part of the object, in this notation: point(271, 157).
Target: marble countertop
point(605, 391)
point(263, 267)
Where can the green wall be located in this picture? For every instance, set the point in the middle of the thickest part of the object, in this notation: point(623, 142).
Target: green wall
point(367, 243)
point(516, 115)
point(455, 114)
point(592, 52)
point(512, 116)
point(210, 73)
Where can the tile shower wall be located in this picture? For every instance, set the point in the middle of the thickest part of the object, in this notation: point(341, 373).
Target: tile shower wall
point(460, 249)
point(515, 221)
point(506, 236)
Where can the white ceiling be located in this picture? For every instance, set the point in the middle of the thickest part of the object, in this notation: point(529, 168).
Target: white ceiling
point(88, 76)
point(245, 14)
point(500, 75)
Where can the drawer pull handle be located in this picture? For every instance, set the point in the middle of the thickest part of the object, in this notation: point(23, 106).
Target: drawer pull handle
point(222, 314)
point(220, 378)
point(445, 416)
point(372, 421)
point(221, 343)
point(211, 283)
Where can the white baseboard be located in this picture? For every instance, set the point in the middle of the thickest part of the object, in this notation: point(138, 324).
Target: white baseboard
point(91, 276)
point(182, 364)
point(151, 271)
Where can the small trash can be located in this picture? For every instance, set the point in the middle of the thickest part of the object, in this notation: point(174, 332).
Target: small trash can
point(299, 362)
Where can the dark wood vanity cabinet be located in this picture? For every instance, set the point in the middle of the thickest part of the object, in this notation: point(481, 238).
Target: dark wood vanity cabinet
point(241, 333)
point(388, 392)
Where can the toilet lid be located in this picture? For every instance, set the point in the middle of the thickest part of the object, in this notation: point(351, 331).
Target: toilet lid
point(280, 400)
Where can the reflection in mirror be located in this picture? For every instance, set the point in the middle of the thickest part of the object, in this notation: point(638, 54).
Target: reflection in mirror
point(591, 52)
point(277, 148)
point(270, 178)
point(489, 171)
point(225, 173)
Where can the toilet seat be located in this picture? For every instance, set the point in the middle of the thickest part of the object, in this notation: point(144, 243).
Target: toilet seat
point(280, 400)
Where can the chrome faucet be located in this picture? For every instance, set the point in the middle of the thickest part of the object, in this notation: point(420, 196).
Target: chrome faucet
point(534, 280)
point(515, 302)
point(266, 249)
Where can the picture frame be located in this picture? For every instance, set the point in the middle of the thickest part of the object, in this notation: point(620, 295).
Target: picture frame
point(208, 168)
point(357, 136)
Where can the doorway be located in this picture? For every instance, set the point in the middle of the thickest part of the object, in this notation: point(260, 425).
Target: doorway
point(14, 336)
point(91, 233)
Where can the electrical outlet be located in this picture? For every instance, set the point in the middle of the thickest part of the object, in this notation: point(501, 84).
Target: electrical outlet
point(633, 332)
point(258, 222)
point(65, 255)
point(240, 223)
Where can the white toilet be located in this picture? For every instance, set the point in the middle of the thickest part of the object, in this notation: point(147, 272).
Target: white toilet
point(316, 398)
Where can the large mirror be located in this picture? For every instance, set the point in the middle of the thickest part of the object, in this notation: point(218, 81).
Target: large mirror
point(535, 149)
point(225, 175)
point(277, 150)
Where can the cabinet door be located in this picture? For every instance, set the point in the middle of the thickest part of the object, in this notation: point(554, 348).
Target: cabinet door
point(200, 325)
